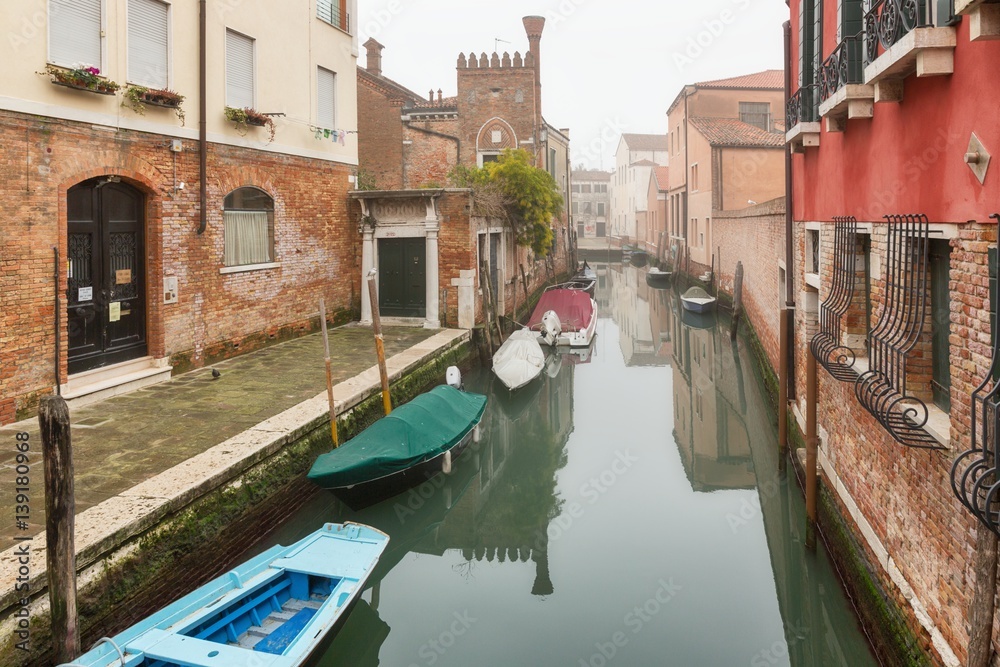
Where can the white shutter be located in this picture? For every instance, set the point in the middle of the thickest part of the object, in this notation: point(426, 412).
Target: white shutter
point(147, 43)
point(239, 70)
point(75, 32)
point(326, 95)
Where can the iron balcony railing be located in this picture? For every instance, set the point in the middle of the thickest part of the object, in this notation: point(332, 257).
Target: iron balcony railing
point(888, 20)
point(801, 106)
point(974, 477)
point(826, 345)
point(842, 67)
point(882, 389)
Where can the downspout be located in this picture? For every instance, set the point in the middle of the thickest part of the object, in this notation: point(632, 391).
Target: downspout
point(789, 208)
point(687, 186)
point(202, 114)
point(785, 356)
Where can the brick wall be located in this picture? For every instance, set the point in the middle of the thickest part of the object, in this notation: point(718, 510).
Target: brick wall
point(217, 314)
point(380, 135)
point(489, 90)
point(432, 153)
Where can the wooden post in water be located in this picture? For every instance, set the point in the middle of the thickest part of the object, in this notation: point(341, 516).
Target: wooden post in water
point(379, 343)
point(524, 283)
point(329, 372)
point(784, 314)
point(812, 444)
point(737, 300)
point(57, 455)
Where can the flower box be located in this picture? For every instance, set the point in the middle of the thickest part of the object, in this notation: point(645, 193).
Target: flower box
point(81, 78)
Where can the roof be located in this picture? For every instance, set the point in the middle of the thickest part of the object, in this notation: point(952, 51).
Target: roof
point(642, 163)
point(646, 142)
point(769, 78)
point(662, 176)
point(734, 132)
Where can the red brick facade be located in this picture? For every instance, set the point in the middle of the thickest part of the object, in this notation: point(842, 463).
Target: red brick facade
point(216, 314)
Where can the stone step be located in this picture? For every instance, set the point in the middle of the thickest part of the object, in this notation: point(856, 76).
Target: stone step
point(102, 383)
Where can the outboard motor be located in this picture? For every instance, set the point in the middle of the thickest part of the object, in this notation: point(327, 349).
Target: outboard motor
point(550, 328)
point(453, 377)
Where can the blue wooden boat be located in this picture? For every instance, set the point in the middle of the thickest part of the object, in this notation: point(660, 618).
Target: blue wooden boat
point(697, 300)
point(279, 609)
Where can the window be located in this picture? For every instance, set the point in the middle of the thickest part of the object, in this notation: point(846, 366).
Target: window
point(552, 162)
point(148, 54)
point(600, 208)
point(488, 157)
point(812, 251)
point(587, 208)
point(326, 98)
point(940, 270)
point(333, 12)
point(575, 188)
point(248, 218)
point(586, 188)
point(757, 114)
point(694, 178)
point(239, 70)
point(75, 28)
point(576, 208)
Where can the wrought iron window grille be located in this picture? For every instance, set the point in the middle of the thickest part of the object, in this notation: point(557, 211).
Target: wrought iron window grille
point(827, 345)
point(889, 20)
point(882, 389)
point(801, 107)
point(842, 67)
point(974, 477)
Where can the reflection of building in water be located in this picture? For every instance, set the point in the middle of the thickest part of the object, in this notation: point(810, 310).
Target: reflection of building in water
point(709, 411)
point(631, 311)
point(504, 515)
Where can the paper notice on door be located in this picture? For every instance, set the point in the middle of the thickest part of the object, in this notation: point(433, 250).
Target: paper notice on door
point(123, 276)
point(114, 311)
point(85, 294)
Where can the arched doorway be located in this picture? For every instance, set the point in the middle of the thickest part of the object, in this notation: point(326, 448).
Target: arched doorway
point(106, 296)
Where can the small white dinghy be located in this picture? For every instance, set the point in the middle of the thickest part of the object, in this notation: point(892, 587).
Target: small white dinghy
point(519, 360)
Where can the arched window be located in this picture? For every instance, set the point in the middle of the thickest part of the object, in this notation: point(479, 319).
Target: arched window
point(249, 227)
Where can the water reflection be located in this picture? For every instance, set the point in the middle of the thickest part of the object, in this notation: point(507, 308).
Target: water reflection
point(612, 511)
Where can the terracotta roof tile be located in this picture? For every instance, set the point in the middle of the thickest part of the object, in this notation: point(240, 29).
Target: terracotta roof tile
point(769, 78)
point(662, 175)
point(646, 142)
point(734, 132)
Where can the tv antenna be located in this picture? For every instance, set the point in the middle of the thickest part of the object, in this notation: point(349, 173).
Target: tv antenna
point(496, 43)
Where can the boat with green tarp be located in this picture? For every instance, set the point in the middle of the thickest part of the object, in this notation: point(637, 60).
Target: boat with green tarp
point(405, 448)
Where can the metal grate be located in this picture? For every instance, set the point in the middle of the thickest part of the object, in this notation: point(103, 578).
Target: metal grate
point(974, 473)
point(882, 389)
point(826, 346)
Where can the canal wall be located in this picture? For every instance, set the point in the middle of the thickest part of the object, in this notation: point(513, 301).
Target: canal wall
point(144, 548)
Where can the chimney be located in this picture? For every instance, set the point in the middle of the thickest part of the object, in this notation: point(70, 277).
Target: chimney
point(440, 98)
point(533, 25)
point(374, 56)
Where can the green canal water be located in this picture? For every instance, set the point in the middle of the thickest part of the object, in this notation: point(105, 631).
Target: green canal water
point(625, 508)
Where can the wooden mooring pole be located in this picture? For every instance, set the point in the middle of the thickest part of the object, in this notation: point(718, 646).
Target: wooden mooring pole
point(379, 343)
point(737, 300)
point(329, 372)
point(60, 508)
point(812, 445)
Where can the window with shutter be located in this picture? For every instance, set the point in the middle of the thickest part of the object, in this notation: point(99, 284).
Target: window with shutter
point(326, 96)
point(239, 70)
point(75, 33)
point(147, 43)
point(333, 12)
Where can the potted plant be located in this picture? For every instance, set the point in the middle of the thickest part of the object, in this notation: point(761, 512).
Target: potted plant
point(137, 97)
point(81, 77)
point(242, 118)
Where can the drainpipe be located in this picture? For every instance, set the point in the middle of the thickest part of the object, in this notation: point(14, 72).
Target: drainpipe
point(687, 186)
point(202, 113)
point(785, 361)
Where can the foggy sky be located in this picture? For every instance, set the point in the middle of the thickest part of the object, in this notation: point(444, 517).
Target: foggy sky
point(608, 66)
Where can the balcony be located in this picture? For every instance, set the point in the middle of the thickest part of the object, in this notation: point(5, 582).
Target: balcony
point(900, 38)
point(843, 93)
point(984, 18)
point(800, 116)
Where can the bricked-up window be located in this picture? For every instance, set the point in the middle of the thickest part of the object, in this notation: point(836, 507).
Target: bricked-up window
point(249, 227)
point(75, 28)
point(326, 98)
point(239, 70)
point(148, 45)
point(333, 12)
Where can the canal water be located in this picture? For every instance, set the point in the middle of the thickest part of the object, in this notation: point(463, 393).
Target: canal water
point(625, 508)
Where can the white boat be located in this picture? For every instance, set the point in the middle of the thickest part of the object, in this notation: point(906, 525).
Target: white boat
point(575, 313)
point(519, 360)
point(697, 300)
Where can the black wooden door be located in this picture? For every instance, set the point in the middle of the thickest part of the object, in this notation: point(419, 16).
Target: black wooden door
point(402, 277)
point(106, 296)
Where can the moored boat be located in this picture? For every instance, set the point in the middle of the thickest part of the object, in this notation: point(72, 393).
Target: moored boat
point(697, 300)
point(657, 277)
point(574, 311)
point(585, 280)
point(519, 360)
point(406, 447)
point(279, 609)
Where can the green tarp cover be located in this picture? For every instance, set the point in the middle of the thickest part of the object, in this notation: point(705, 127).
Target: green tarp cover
point(425, 427)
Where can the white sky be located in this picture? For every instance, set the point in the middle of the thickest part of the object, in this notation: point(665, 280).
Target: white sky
point(608, 66)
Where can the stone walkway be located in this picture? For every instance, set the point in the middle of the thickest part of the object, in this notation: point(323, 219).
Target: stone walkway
point(125, 440)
